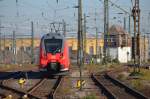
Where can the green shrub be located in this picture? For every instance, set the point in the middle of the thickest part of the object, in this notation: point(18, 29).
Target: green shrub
point(106, 60)
point(137, 84)
point(121, 77)
point(115, 61)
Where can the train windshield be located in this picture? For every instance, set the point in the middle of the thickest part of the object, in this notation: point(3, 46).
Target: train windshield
point(53, 45)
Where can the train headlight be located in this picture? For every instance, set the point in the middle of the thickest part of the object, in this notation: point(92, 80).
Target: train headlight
point(61, 55)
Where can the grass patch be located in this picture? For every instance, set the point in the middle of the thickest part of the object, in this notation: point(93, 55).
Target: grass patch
point(136, 74)
point(91, 96)
point(140, 84)
point(93, 68)
point(144, 73)
point(137, 84)
point(114, 65)
point(100, 67)
point(121, 77)
point(65, 88)
point(7, 67)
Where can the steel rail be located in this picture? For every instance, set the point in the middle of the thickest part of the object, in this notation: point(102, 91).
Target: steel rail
point(112, 95)
point(127, 88)
point(105, 90)
point(52, 94)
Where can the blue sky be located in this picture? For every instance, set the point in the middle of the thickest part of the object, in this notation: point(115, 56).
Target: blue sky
point(43, 12)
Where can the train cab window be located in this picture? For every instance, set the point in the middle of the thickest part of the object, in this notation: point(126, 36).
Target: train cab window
point(53, 45)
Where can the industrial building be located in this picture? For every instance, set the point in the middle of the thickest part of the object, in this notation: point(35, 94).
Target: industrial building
point(25, 44)
point(119, 45)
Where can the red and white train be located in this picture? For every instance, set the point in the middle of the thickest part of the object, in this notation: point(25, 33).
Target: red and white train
point(54, 53)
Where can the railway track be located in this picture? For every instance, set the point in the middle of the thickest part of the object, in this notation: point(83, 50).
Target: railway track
point(16, 94)
point(9, 91)
point(44, 89)
point(114, 89)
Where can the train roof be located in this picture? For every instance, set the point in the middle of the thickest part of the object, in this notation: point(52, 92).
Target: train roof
point(53, 35)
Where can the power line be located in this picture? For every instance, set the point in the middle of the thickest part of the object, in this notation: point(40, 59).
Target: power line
point(117, 6)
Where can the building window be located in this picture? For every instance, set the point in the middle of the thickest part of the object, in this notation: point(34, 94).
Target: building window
point(28, 48)
point(91, 50)
point(22, 48)
point(7, 48)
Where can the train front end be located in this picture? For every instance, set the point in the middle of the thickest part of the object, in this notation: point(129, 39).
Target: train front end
point(54, 55)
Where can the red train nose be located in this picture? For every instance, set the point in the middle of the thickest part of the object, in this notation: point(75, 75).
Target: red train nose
point(53, 58)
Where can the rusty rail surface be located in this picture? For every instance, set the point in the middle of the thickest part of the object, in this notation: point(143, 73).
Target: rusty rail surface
point(55, 88)
point(114, 89)
point(51, 86)
point(36, 91)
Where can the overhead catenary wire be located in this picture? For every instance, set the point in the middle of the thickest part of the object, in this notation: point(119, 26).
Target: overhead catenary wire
point(117, 6)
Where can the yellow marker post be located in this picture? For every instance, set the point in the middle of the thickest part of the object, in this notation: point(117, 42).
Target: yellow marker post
point(83, 82)
point(21, 82)
point(80, 82)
